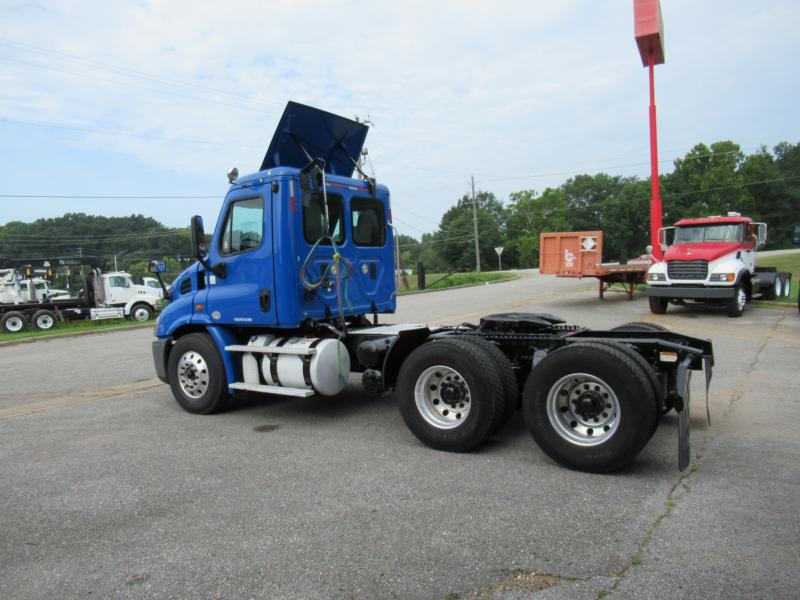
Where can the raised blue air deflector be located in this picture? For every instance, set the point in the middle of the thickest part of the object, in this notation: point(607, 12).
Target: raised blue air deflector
point(336, 140)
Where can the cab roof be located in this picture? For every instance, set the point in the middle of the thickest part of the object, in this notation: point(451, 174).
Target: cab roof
point(714, 220)
point(304, 133)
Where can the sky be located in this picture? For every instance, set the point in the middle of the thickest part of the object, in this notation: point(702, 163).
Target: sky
point(161, 98)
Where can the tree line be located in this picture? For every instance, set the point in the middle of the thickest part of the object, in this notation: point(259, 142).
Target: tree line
point(708, 180)
point(715, 179)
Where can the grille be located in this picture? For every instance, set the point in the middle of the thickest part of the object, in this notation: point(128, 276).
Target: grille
point(687, 269)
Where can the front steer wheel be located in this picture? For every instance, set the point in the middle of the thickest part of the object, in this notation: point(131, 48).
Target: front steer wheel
point(735, 306)
point(658, 305)
point(196, 374)
point(141, 313)
point(450, 396)
point(590, 407)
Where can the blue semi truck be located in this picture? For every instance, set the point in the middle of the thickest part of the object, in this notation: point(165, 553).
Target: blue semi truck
point(286, 299)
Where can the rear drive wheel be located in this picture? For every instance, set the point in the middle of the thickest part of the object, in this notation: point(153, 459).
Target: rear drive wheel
point(13, 322)
point(639, 326)
point(507, 375)
point(775, 290)
point(787, 286)
point(44, 320)
point(658, 305)
point(590, 407)
point(141, 313)
point(197, 375)
point(735, 306)
point(449, 394)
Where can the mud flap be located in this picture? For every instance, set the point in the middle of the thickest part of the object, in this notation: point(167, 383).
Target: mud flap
point(684, 378)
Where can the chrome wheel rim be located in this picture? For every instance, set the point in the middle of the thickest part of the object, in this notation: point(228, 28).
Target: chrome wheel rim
point(442, 397)
point(45, 322)
point(583, 409)
point(141, 314)
point(741, 299)
point(193, 374)
point(777, 289)
point(787, 288)
point(14, 324)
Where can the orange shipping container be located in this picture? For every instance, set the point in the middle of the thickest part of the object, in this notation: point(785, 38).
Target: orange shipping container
point(571, 253)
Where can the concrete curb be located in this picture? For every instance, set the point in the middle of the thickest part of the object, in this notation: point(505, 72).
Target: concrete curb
point(459, 287)
point(42, 338)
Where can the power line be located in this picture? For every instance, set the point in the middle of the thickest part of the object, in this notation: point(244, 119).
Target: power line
point(124, 133)
point(106, 197)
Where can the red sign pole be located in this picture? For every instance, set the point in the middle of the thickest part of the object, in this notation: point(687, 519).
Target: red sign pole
point(655, 195)
point(648, 29)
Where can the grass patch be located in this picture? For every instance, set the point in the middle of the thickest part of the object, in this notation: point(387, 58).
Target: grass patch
point(440, 281)
point(71, 327)
point(784, 262)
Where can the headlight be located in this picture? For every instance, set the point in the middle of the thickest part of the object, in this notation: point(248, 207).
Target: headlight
point(656, 277)
point(723, 277)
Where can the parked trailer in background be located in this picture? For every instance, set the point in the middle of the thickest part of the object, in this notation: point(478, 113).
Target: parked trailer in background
point(287, 296)
point(580, 254)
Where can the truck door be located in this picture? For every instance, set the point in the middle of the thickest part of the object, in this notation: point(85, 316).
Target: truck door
point(118, 289)
point(749, 246)
point(243, 242)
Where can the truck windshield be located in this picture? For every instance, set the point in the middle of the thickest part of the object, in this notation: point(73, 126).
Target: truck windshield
point(727, 232)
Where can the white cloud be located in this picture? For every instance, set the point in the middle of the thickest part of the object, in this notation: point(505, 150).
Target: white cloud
point(502, 88)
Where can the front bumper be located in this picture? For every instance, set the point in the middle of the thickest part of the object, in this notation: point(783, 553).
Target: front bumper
point(678, 291)
point(160, 348)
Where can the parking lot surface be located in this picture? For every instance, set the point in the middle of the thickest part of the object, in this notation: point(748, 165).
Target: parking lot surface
point(108, 489)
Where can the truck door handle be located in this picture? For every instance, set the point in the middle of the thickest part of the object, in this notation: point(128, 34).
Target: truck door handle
point(264, 300)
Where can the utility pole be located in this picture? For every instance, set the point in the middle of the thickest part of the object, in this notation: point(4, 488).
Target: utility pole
point(475, 224)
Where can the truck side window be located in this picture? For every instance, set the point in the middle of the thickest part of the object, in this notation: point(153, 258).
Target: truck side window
point(244, 226)
point(314, 215)
point(116, 281)
point(369, 222)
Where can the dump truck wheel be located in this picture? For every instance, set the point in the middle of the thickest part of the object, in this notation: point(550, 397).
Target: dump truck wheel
point(735, 306)
point(13, 322)
point(196, 374)
point(44, 320)
point(658, 305)
point(448, 397)
point(590, 407)
point(141, 313)
point(507, 376)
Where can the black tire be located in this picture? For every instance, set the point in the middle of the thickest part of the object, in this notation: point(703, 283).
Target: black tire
point(734, 307)
point(44, 320)
point(507, 376)
point(141, 312)
point(472, 377)
point(639, 326)
point(13, 322)
point(585, 374)
point(658, 305)
point(647, 370)
point(193, 356)
point(786, 289)
point(775, 290)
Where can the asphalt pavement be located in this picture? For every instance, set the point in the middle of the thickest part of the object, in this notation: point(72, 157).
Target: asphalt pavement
point(109, 490)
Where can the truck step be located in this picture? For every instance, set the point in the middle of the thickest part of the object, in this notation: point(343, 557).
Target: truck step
point(271, 350)
point(272, 389)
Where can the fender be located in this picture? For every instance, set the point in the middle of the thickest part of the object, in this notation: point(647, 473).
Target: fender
point(222, 337)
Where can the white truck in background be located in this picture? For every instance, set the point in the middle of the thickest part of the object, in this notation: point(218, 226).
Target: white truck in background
point(105, 296)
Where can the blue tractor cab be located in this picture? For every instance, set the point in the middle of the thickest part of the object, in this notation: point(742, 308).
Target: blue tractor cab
point(299, 242)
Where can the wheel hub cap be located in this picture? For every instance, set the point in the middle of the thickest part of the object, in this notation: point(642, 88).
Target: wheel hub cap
point(442, 397)
point(583, 409)
point(193, 374)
